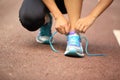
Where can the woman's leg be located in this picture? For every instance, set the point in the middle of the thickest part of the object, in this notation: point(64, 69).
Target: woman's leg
point(74, 8)
point(32, 13)
point(74, 46)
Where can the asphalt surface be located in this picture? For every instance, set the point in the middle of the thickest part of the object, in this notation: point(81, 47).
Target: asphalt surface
point(22, 58)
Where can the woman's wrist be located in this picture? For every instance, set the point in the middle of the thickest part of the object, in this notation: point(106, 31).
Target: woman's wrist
point(93, 17)
point(57, 16)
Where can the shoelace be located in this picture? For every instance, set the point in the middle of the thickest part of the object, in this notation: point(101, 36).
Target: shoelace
point(82, 37)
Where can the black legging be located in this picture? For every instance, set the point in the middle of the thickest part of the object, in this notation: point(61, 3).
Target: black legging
point(32, 13)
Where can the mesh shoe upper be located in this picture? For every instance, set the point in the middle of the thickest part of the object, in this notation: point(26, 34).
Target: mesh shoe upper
point(74, 45)
point(45, 32)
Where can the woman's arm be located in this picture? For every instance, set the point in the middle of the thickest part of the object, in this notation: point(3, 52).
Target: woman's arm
point(53, 8)
point(101, 6)
point(61, 25)
point(84, 23)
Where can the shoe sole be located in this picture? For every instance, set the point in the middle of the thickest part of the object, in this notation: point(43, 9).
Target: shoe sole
point(42, 42)
point(73, 53)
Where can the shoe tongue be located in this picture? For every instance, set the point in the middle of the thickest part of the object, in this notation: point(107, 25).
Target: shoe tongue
point(72, 32)
point(73, 39)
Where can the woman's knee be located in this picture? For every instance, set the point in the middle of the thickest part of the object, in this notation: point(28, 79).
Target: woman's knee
point(31, 25)
point(31, 22)
point(32, 17)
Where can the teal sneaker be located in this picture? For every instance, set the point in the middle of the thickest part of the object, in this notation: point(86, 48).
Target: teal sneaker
point(74, 46)
point(45, 32)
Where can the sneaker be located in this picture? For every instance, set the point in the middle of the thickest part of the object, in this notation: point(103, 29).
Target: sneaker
point(45, 32)
point(74, 45)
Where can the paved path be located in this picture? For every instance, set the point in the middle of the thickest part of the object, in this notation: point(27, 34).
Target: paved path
point(22, 58)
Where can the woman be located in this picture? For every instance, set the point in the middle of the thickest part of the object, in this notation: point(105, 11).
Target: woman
point(35, 14)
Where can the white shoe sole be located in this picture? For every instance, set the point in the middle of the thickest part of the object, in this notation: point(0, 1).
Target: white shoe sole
point(74, 52)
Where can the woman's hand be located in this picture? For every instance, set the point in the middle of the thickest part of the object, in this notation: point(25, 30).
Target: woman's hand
point(84, 23)
point(62, 25)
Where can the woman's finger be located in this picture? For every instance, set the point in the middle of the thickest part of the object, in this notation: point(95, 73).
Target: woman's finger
point(81, 28)
point(67, 28)
point(60, 30)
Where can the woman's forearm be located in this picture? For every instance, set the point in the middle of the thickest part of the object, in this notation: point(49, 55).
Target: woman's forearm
point(101, 6)
point(53, 8)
